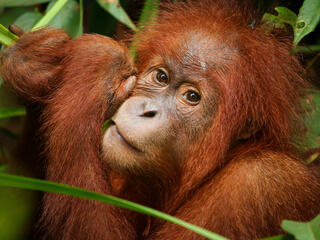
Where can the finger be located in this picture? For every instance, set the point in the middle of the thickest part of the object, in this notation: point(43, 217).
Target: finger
point(16, 30)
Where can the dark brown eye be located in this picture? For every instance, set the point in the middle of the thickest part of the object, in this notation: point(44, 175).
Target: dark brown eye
point(161, 77)
point(192, 97)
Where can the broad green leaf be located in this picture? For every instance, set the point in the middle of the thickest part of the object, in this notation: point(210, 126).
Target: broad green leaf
point(10, 15)
point(272, 20)
point(12, 112)
point(114, 8)
point(68, 18)
point(285, 15)
point(42, 185)
point(15, 3)
point(6, 37)
point(279, 237)
point(27, 20)
point(308, 19)
point(303, 230)
point(59, 4)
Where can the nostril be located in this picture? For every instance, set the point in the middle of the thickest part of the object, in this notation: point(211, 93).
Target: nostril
point(149, 114)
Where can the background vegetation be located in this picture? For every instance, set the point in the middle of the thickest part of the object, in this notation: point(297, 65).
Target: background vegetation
point(122, 19)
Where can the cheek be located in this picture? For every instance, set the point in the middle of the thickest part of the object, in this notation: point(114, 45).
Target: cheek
point(194, 121)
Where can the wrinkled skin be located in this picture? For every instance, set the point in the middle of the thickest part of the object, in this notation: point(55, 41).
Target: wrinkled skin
point(165, 115)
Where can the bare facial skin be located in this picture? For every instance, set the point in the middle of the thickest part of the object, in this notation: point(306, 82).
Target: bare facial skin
point(169, 110)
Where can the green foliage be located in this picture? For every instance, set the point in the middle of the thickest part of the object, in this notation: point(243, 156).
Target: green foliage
point(115, 9)
point(6, 37)
point(68, 18)
point(306, 21)
point(15, 3)
point(12, 112)
point(10, 15)
point(149, 13)
point(303, 231)
point(280, 237)
point(285, 15)
point(50, 14)
point(41, 185)
point(17, 213)
point(3, 168)
point(27, 20)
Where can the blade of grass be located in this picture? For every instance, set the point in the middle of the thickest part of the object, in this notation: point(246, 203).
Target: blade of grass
point(149, 12)
point(50, 14)
point(12, 112)
point(6, 37)
point(42, 185)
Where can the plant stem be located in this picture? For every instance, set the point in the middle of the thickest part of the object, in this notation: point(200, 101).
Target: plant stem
point(50, 14)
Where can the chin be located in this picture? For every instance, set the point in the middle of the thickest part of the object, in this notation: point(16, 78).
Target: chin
point(118, 153)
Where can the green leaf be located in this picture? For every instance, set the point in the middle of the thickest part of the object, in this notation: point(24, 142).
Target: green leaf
point(59, 4)
point(272, 20)
point(10, 15)
point(15, 3)
point(6, 37)
point(308, 19)
point(285, 15)
point(105, 125)
point(311, 49)
point(149, 12)
point(303, 230)
point(27, 20)
point(279, 237)
point(68, 18)
point(114, 8)
point(12, 112)
point(41, 185)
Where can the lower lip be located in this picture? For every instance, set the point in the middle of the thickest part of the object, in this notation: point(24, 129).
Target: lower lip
point(115, 133)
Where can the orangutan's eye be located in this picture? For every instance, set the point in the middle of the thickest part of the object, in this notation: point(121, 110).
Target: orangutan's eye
point(161, 77)
point(192, 97)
